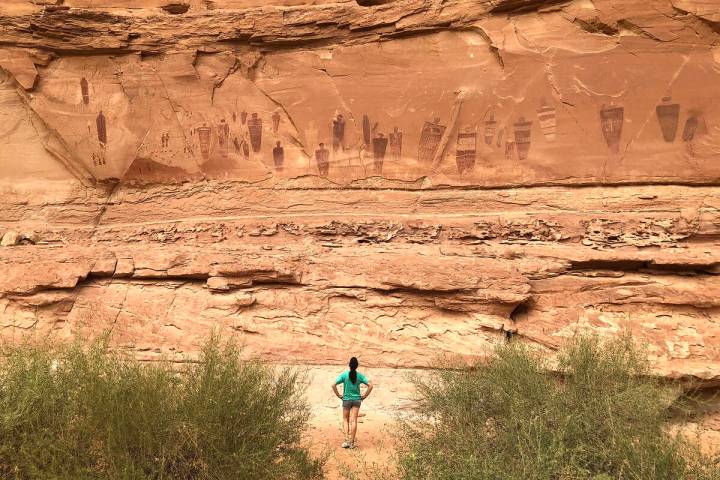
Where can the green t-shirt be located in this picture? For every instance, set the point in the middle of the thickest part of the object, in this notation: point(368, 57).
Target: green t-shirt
point(351, 391)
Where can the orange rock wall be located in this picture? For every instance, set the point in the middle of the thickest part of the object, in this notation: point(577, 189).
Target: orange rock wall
point(398, 180)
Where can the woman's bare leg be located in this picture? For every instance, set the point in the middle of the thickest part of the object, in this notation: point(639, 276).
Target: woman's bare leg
point(346, 422)
point(353, 422)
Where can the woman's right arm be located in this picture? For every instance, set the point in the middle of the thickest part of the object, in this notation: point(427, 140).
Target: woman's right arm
point(367, 392)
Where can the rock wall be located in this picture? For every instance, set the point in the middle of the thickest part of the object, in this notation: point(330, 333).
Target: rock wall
point(396, 178)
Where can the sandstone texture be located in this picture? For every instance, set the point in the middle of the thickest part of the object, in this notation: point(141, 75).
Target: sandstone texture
point(391, 179)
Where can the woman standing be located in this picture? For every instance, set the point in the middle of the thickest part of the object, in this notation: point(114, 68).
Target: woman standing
point(351, 399)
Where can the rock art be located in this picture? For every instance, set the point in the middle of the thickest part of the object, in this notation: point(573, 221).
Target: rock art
point(466, 150)
point(410, 177)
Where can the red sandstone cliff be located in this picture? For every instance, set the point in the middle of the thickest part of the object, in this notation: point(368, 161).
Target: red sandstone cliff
point(544, 167)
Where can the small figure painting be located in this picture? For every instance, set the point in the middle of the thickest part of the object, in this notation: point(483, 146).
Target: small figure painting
point(338, 129)
point(224, 137)
point(322, 157)
point(509, 148)
point(278, 156)
point(223, 132)
point(694, 126)
point(165, 140)
point(366, 129)
point(547, 116)
point(466, 151)
point(396, 138)
point(243, 117)
point(255, 130)
point(500, 137)
point(430, 138)
point(101, 125)
point(204, 136)
point(490, 129)
point(98, 159)
point(667, 115)
point(523, 130)
point(380, 143)
point(611, 121)
point(85, 91)
point(276, 122)
point(690, 127)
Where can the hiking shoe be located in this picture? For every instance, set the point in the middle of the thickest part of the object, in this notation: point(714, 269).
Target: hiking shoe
point(346, 444)
point(351, 445)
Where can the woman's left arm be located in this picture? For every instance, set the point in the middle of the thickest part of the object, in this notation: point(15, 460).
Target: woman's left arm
point(369, 389)
point(337, 394)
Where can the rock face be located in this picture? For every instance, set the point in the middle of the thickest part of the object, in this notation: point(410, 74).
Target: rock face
point(398, 178)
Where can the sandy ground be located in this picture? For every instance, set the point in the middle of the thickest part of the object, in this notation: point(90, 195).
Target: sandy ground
point(393, 397)
point(373, 452)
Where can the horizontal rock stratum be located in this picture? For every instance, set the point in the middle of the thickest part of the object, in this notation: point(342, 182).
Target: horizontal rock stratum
point(402, 178)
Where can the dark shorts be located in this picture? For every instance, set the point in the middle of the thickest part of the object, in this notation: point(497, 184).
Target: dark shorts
point(348, 404)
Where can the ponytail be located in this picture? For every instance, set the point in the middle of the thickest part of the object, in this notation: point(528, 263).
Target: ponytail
point(353, 370)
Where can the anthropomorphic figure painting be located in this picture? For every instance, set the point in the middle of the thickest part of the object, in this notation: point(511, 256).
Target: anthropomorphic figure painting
point(366, 129)
point(338, 129)
point(509, 148)
point(611, 122)
point(695, 127)
point(204, 134)
point(523, 130)
point(395, 141)
point(490, 129)
point(278, 156)
point(667, 115)
point(430, 137)
point(85, 91)
point(690, 128)
point(466, 151)
point(245, 149)
point(547, 117)
point(255, 130)
point(224, 137)
point(101, 125)
point(99, 159)
point(276, 122)
point(322, 157)
point(380, 143)
point(500, 138)
point(223, 132)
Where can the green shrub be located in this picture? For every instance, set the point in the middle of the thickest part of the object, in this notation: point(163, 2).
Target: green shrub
point(83, 413)
point(599, 415)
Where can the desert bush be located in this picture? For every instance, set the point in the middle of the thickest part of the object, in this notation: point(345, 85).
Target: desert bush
point(597, 414)
point(81, 412)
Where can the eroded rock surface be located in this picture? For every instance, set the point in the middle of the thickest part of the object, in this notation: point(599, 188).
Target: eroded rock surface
point(410, 178)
